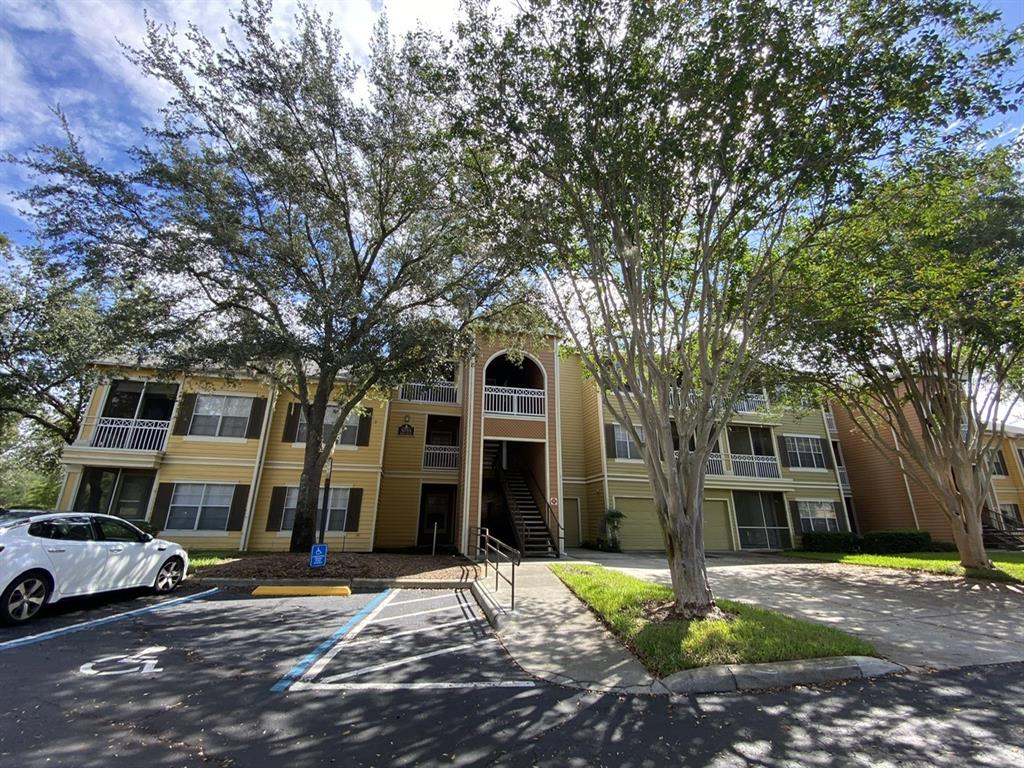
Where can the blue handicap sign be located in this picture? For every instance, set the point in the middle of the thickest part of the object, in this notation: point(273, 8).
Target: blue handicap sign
point(318, 556)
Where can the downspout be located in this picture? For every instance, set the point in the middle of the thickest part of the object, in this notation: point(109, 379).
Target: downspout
point(257, 471)
point(467, 461)
point(558, 444)
point(906, 481)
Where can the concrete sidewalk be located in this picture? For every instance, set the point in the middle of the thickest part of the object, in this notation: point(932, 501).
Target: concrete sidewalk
point(554, 636)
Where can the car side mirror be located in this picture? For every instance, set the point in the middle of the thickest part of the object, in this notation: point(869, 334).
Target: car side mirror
point(146, 538)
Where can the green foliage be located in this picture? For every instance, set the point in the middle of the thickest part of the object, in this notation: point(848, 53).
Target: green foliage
point(889, 542)
point(752, 635)
point(829, 542)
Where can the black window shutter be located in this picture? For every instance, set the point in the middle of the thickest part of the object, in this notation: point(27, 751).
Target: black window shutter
point(259, 407)
point(355, 503)
point(291, 423)
point(609, 441)
point(826, 451)
point(840, 509)
point(783, 453)
point(365, 423)
point(794, 511)
point(237, 512)
point(276, 511)
point(185, 409)
point(162, 506)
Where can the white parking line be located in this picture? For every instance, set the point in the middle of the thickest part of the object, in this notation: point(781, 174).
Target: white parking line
point(418, 631)
point(409, 659)
point(423, 599)
point(419, 613)
point(441, 685)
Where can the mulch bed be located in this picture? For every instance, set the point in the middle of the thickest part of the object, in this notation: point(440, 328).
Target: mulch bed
point(348, 565)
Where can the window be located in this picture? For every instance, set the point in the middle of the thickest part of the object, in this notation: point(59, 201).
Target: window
point(115, 530)
point(200, 507)
point(817, 516)
point(64, 529)
point(761, 520)
point(625, 448)
point(999, 463)
point(221, 416)
point(349, 431)
point(336, 514)
point(805, 452)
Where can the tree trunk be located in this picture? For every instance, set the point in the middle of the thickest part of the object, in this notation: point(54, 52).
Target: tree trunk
point(304, 528)
point(684, 545)
point(970, 544)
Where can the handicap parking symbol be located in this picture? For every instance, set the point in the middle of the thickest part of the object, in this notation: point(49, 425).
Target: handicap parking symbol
point(141, 663)
point(318, 556)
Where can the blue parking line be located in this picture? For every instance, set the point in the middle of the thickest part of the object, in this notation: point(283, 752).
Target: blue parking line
point(300, 669)
point(43, 636)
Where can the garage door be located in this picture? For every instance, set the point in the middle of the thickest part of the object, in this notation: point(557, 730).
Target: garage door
point(717, 536)
point(640, 529)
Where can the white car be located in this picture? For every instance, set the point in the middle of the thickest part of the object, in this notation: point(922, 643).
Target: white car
point(47, 556)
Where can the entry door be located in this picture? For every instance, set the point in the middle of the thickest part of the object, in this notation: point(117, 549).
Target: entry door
point(437, 506)
point(571, 521)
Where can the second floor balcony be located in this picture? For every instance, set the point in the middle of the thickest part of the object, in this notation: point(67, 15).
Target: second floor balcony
point(743, 465)
point(752, 402)
point(514, 401)
point(110, 432)
point(444, 393)
point(443, 457)
point(844, 477)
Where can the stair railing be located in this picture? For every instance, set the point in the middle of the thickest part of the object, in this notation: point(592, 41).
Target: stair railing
point(554, 527)
point(518, 526)
point(493, 552)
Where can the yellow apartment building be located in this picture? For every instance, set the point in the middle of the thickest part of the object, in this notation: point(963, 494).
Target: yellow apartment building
point(525, 449)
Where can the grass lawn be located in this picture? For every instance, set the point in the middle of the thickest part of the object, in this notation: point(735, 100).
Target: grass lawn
point(753, 635)
point(1009, 565)
point(204, 558)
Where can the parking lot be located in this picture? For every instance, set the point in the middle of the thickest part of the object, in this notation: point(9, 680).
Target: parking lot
point(410, 677)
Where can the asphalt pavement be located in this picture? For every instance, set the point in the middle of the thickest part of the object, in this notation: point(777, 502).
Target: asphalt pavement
point(417, 677)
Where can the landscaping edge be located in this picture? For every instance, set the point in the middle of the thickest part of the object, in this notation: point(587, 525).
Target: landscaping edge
point(355, 583)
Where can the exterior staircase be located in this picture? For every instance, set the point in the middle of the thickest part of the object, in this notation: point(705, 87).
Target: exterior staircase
point(1003, 538)
point(527, 518)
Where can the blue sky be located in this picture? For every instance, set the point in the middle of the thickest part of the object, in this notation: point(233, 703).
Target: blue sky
point(66, 52)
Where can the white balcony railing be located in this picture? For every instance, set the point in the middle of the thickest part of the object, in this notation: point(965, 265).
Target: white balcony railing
point(742, 465)
point(749, 465)
point(844, 477)
point(830, 422)
point(129, 434)
point(441, 457)
point(444, 392)
point(514, 401)
point(751, 403)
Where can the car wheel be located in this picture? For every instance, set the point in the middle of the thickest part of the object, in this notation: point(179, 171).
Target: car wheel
point(24, 597)
point(170, 575)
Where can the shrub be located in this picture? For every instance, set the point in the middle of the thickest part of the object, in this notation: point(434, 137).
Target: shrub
point(890, 542)
point(942, 546)
point(820, 541)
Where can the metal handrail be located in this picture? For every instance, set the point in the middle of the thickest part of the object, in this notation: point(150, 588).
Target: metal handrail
point(513, 509)
point(550, 516)
point(502, 553)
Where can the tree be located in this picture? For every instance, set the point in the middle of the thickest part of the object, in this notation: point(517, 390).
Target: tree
point(53, 327)
point(913, 320)
point(655, 155)
point(303, 218)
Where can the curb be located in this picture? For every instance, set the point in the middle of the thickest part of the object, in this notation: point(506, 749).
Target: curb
point(724, 678)
point(355, 583)
point(496, 616)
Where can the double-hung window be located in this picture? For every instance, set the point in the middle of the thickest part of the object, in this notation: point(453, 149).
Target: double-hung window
point(349, 430)
point(200, 507)
point(221, 416)
point(999, 464)
point(625, 448)
point(336, 512)
point(817, 516)
point(807, 452)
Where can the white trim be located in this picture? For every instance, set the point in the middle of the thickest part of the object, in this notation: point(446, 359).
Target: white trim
point(467, 461)
point(380, 471)
point(800, 434)
point(906, 480)
point(214, 438)
point(558, 448)
point(88, 410)
point(257, 470)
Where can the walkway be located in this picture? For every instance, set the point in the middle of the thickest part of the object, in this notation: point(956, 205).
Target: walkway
point(915, 619)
